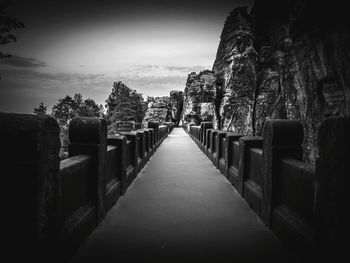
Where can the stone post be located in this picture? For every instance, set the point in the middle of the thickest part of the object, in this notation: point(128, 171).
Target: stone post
point(332, 181)
point(155, 126)
point(204, 126)
point(208, 141)
point(213, 149)
point(30, 182)
point(120, 143)
point(152, 141)
point(282, 139)
point(245, 143)
point(220, 136)
point(89, 136)
point(132, 136)
point(230, 138)
point(141, 147)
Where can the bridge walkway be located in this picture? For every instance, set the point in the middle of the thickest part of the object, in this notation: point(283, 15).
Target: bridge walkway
point(181, 209)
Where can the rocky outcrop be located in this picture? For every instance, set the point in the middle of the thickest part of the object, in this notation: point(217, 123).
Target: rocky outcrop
point(286, 59)
point(176, 105)
point(158, 109)
point(235, 69)
point(200, 98)
point(164, 108)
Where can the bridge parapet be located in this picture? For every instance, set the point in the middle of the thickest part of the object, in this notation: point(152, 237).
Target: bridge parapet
point(302, 203)
point(170, 126)
point(30, 179)
point(62, 202)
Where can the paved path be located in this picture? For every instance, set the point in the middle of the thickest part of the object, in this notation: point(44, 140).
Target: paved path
point(181, 209)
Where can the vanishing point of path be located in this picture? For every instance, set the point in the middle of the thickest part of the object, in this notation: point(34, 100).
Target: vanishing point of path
point(181, 209)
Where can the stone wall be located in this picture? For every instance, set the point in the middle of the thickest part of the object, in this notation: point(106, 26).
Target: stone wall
point(57, 204)
point(303, 204)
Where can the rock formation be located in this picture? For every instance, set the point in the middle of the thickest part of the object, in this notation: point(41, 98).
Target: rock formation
point(235, 69)
point(199, 98)
point(158, 109)
point(164, 108)
point(286, 59)
point(176, 100)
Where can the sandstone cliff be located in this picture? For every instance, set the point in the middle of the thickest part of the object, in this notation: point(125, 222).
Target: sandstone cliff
point(158, 109)
point(286, 59)
point(164, 108)
point(176, 105)
point(199, 98)
point(235, 69)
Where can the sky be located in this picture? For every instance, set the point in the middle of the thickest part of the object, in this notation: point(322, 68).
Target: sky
point(84, 46)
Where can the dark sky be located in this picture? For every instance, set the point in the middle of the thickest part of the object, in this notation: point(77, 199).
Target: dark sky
point(85, 45)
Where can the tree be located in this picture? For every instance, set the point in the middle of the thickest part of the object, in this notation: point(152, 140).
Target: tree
point(41, 109)
point(89, 108)
point(63, 111)
point(124, 104)
point(69, 108)
point(7, 24)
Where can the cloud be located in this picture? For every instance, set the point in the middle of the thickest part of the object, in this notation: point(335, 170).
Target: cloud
point(153, 85)
point(23, 88)
point(157, 72)
point(28, 75)
point(156, 80)
point(22, 62)
point(33, 85)
point(152, 80)
point(186, 69)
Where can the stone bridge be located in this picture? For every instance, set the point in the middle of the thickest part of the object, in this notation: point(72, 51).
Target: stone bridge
point(152, 195)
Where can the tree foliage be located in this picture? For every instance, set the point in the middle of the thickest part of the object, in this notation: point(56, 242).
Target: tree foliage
point(68, 108)
point(7, 25)
point(41, 109)
point(125, 104)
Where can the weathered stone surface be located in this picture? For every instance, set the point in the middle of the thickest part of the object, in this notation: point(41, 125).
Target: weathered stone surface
point(293, 63)
point(159, 109)
point(88, 135)
point(30, 180)
point(235, 69)
point(199, 98)
point(332, 171)
point(176, 100)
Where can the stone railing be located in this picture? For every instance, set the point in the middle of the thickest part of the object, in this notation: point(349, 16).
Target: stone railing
point(303, 204)
point(55, 205)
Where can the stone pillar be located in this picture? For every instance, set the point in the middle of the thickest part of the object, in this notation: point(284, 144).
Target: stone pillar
point(155, 126)
point(208, 141)
point(147, 144)
point(120, 143)
point(142, 147)
point(152, 141)
point(230, 138)
point(332, 180)
point(132, 136)
point(213, 149)
point(204, 127)
point(245, 143)
point(282, 139)
point(170, 126)
point(30, 184)
point(89, 136)
point(220, 136)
